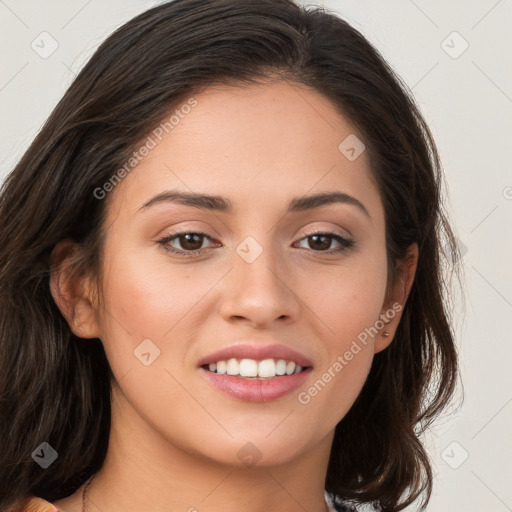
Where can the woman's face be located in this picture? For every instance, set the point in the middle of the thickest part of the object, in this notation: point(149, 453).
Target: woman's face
point(259, 278)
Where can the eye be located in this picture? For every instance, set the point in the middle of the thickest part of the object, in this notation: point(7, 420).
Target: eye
point(191, 242)
point(321, 241)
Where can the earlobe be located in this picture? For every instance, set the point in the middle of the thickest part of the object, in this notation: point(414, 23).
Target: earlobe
point(384, 336)
point(396, 299)
point(73, 293)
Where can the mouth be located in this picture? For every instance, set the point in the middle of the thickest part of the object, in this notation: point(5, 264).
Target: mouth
point(259, 378)
point(253, 372)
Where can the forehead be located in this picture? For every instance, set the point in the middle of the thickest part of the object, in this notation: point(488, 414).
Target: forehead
point(259, 144)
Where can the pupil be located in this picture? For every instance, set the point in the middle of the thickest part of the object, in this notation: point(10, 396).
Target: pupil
point(187, 243)
point(325, 245)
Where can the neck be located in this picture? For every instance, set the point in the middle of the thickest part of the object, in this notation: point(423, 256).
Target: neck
point(143, 471)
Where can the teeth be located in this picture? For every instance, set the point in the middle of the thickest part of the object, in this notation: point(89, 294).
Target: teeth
point(233, 367)
point(281, 367)
point(265, 369)
point(248, 368)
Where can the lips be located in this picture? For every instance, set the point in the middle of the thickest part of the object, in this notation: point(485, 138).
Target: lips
point(256, 389)
point(252, 390)
point(258, 352)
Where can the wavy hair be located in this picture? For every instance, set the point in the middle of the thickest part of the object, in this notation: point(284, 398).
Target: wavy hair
point(55, 388)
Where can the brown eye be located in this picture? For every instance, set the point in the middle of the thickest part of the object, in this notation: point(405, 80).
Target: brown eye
point(321, 242)
point(190, 241)
point(185, 243)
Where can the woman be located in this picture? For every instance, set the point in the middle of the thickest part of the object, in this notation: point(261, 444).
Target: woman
point(221, 275)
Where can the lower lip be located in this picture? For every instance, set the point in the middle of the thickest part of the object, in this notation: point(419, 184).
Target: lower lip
point(255, 390)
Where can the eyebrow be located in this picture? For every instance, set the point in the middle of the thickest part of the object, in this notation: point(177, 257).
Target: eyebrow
point(224, 205)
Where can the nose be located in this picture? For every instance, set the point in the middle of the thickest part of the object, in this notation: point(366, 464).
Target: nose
point(259, 292)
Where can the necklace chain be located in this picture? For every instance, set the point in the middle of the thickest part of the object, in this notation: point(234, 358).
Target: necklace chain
point(84, 491)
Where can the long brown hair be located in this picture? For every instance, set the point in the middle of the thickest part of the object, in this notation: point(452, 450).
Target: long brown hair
point(56, 389)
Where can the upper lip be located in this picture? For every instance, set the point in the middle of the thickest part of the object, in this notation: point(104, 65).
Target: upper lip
point(257, 352)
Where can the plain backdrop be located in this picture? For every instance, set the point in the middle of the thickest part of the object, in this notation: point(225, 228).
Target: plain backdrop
point(455, 56)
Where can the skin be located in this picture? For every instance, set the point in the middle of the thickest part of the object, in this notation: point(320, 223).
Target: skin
point(175, 438)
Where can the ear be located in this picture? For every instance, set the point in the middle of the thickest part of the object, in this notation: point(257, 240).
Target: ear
point(74, 294)
point(396, 298)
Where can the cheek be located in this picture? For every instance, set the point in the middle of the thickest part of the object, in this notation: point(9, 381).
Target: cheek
point(348, 302)
point(347, 298)
point(336, 387)
point(350, 310)
point(149, 295)
point(149, 298)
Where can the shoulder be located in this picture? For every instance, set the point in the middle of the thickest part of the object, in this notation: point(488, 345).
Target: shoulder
point(36, 504)
point(337, 504)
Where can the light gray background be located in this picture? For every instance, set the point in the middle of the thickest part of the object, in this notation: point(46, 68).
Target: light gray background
point(467, 100)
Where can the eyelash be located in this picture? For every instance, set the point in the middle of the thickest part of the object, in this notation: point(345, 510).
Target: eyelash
point(345, 243)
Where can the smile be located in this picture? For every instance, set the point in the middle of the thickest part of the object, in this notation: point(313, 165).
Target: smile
point(266, 386)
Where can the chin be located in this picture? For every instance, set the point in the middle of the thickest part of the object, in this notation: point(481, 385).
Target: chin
point(258, 450)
